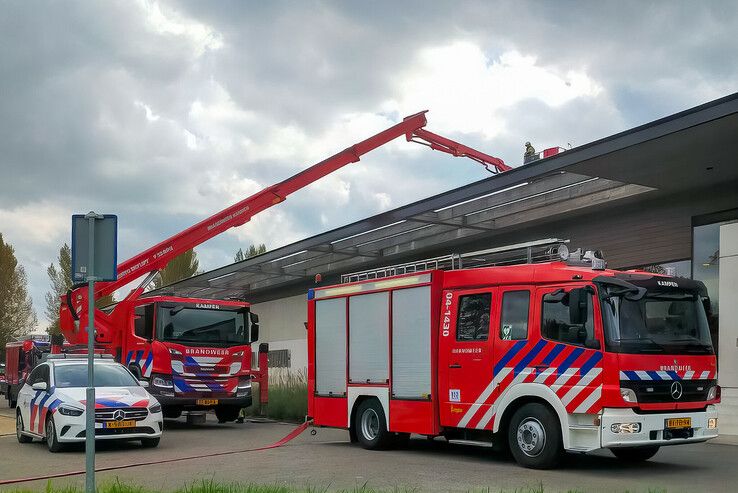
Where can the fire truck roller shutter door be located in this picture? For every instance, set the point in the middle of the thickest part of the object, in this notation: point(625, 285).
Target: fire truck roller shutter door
point(411, 343)
point(369, 338)
point(330, 347)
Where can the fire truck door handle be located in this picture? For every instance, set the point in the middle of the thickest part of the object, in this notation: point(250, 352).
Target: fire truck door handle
point(455, 365)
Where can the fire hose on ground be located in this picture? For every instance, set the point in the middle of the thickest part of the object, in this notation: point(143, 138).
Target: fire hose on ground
point(290, 436)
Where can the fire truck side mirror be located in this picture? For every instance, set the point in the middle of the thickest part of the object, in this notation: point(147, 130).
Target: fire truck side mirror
point(254, 318)
point(254, 332)
point(578, 306)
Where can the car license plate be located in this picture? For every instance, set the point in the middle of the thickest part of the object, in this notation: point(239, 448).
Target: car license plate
point(120, 424)
point(673, 423)
point(207, 402)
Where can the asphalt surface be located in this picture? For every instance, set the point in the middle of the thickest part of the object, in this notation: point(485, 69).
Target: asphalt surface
point(327, 460)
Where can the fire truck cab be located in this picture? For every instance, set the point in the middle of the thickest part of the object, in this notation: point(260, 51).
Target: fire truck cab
point(542, 358)
point(195, 353)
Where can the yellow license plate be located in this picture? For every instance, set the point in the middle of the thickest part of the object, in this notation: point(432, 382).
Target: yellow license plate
point(120, 424)
point(207, 402)
point(679, 423)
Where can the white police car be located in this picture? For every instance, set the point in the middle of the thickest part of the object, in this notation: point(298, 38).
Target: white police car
point(51, 404)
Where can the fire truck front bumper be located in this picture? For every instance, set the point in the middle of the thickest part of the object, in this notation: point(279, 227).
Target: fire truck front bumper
point(204, 402)
point(626, 428)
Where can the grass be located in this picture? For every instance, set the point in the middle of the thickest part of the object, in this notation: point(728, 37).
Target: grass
point(287, 396)
point(212, 486)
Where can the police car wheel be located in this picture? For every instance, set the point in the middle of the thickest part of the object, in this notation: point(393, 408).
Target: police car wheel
point(19, 428)
point(52, 443)
point(150, 442)
point(534, 437)
point(371, 426)
point(634, 454)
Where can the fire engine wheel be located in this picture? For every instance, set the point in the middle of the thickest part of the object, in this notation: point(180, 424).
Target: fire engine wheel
point(19, 428)
point(226, 413)
point(634, 454)
point(534, 437)
point(371, 426)
point(52, 442)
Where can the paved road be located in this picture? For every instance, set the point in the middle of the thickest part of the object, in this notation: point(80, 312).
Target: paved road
point(328, 460)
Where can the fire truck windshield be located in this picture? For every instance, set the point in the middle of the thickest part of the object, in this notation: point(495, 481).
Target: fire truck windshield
point(668, 322)
point(201, 327)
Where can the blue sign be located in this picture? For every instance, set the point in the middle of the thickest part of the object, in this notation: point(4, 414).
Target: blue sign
point(105, 247)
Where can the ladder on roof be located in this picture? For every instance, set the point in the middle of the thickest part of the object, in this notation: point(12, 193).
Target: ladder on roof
point(545, 250)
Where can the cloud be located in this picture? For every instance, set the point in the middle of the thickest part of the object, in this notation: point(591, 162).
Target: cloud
point(166, 112)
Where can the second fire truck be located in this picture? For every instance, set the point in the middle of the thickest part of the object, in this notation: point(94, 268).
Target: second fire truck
point(542, 358)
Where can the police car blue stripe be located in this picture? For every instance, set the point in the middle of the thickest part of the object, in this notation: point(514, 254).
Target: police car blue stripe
point(510, 354)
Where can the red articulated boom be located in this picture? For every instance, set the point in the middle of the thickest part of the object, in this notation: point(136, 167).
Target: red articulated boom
point(114, 327)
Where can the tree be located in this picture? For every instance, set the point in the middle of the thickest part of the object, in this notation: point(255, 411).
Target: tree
point(180, 267)
point(252, 251)
point(17, 316)
point(60, 278)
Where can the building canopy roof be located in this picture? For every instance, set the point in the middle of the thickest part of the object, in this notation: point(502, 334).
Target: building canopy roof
point(690, 150)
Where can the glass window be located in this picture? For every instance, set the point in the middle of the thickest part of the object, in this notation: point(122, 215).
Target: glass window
point(514, 319)
point(472, 323)
point(557, 324)
point(144, 321)
point(202, 326)
point(106, 375)
point(37, 375)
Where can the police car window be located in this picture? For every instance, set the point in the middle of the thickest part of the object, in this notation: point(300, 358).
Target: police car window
point(514, 318)
point(472, 323)
point(556, 324)
point(36, 375)
point(75, 375)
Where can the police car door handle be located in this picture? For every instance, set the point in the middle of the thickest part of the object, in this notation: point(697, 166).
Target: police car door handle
point(454, 365)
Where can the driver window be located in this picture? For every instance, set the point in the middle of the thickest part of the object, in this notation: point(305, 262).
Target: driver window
point(144, 321)
point(556, 324)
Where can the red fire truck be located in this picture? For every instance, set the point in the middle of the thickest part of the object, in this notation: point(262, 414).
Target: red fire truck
point(196, 352)
point(562, 355)
point(20, 358)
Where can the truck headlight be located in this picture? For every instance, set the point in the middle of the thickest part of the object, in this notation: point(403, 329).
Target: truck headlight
point(628, 395)
point(70, 411)
point(625, 427)
point(712, 393)
point(162, 382)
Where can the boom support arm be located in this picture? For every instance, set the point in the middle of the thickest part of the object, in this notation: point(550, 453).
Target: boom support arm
point(159, 255)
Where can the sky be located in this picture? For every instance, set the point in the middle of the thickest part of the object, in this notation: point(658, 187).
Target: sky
point(165, 112)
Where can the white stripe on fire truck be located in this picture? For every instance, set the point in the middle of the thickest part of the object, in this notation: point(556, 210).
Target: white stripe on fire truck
point(544, 375)
point(705, 375)
point(580, 386)
point(688, 375)
point(589, 401)
point(483, 397)
point(493, 408)
point(563, 378)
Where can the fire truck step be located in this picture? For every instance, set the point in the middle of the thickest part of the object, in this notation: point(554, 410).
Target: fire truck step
point(476, 443)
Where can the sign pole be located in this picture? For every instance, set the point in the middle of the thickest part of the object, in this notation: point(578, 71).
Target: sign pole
point(90, 404)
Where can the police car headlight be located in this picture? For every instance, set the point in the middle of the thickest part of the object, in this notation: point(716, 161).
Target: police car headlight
point(156, 408)
point(70, 411)
point(712, 393)
point(628, 395)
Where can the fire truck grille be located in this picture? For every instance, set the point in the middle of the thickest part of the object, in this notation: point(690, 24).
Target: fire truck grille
point(129, 413)
point(661, 391)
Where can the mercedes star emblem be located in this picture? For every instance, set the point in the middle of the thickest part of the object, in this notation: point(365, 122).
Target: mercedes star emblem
point(119, 415)
point(676, 391)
